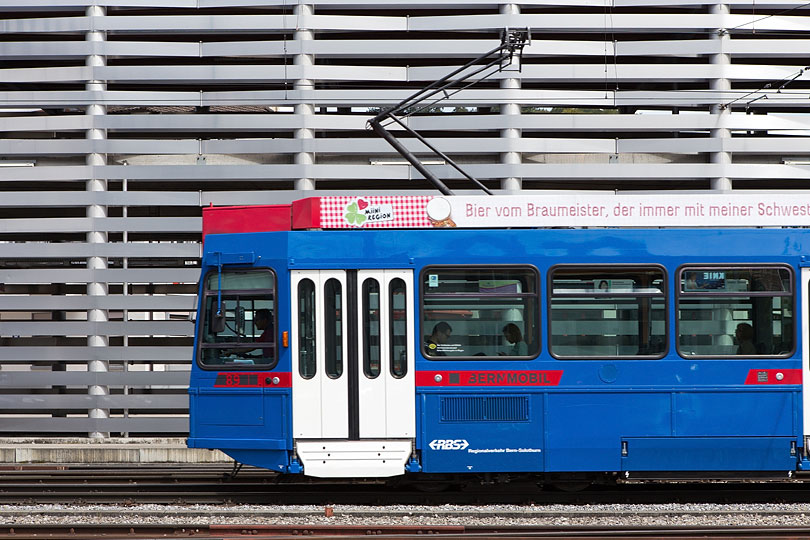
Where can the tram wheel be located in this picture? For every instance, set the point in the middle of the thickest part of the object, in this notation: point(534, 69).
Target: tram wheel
point(571, 487)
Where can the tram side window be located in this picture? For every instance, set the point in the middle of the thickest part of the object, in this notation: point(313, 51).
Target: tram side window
point(307, 361)
point(480, 312)
point(398, 328)
point(333, 328)
point(733, 311)
point(607, 312)
point(238, 326)
point(371, 324)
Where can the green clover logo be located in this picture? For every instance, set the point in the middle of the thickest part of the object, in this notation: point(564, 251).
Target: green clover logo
point(353, 215)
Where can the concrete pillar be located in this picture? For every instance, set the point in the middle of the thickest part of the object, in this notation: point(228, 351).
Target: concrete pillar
point(304, 110)
point(511, 110)
point(97, 286)
point(721, 84)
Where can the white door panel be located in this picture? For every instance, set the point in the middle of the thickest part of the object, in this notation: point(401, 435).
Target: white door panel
point(320, 388)
point(382, 366)
point(373, 343)
point(306, 389)
point(400, 395)
point(334, 380)
point(385, 316)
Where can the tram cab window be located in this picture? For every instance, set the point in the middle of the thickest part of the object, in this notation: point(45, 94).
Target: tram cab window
point(607, 312)
point(238, 324)
point(733, 311)
point(475, 312)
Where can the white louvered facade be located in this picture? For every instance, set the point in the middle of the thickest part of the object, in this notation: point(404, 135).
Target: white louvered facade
point(120, 119)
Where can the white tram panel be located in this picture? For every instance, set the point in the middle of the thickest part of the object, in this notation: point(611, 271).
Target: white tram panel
point(386, 401)
point(320, 402)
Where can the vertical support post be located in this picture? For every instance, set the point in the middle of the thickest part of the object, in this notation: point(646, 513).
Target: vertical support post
point(97, 285)
point(510, 111)
point(125, 290)
point(721, 84)
point(304, 110)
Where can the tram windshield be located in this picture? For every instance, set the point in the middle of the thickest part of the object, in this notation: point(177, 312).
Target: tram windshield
point(238, 324)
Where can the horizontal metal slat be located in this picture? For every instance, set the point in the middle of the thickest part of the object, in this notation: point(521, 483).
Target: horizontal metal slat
point(42, 250)
point(87, 425)
point(105, 198)
point(443, 122)
point(154, 355)
point(58, 402)
point(48, 379)
point(112, 224)
point(9, 302)
point(85, 328)
point(85, 275)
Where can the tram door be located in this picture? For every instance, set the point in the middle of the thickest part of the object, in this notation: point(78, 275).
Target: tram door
point(805, 347)
point(351, 342)
point(319, 344)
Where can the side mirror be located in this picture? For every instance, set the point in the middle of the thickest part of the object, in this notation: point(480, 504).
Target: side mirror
point(218, 323)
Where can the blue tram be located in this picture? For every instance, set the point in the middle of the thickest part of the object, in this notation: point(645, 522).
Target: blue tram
point(386, 351)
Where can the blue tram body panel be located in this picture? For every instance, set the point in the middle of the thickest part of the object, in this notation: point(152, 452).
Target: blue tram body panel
point(482, 432)
point(670, 413)
point(710, 453)
point(236, 411)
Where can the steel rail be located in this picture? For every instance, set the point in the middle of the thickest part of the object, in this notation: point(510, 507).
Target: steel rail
point(350, 532)
point(215, 484)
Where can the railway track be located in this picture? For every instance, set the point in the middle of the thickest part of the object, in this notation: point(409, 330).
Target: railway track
point(278, 532)
point(213, 484)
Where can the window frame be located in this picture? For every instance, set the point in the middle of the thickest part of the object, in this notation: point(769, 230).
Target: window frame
point(299, 334)
point(610, 267)
point(723, 294)
point(365, 309)
point(333, 342)
point(203, 320)
point(391, 329)
point(537, 311)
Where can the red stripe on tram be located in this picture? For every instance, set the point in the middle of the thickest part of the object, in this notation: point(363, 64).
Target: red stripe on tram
point(774, 376)
point(265, 379)
point(488, 378)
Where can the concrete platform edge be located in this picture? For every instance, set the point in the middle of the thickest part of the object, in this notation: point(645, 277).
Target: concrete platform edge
point(112, 450)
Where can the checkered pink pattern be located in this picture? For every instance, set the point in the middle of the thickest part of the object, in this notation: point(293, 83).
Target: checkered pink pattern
point(409, 212)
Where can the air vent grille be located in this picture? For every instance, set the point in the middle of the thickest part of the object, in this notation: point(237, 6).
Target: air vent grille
point(485, 409)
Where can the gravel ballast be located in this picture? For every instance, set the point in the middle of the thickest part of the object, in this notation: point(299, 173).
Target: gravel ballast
point(619, 515)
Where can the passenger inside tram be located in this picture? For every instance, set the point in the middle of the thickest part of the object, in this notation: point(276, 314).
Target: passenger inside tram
point(513, 336)
point(745, 339)
point(438, 337)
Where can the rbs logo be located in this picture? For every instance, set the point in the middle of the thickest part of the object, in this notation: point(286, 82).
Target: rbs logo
point(448, 444)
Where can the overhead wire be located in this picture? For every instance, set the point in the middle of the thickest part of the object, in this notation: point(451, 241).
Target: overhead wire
point(768, 17)
point(786, 81)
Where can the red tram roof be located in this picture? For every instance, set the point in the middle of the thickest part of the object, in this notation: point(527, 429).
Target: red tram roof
point(321, 213)
point(242, 219)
